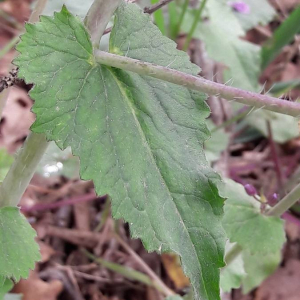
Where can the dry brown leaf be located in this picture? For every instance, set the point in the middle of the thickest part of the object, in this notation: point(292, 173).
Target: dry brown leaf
point(172, 265)
point(34, 288)
point(16, 119)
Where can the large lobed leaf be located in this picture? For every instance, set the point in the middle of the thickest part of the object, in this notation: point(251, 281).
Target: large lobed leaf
point(139, 139)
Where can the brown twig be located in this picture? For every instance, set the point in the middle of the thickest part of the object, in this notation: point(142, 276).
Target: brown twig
point(157, 6)
point(274, 155)
point(71, 201)
point(146, 268)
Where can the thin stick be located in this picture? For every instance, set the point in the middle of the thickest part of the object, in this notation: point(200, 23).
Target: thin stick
point(146, 268)
point(198, 83)
point(157, 6)
point(182, 14)
point(194, 25)
point(275, 157)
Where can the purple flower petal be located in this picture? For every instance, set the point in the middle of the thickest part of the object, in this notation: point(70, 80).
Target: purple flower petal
point(240, 6)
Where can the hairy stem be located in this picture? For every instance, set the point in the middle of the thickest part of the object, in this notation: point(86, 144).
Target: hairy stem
point(199, 84)
point(22, 170)
point(98, 17)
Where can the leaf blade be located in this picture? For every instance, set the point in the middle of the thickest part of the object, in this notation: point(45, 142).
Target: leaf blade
point(139, 139)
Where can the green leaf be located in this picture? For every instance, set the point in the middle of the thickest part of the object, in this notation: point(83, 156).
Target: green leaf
point(18, 250)
point(139, 139)
point(284, 127)
point(261, 13)
point(241, 58)
point(249, 270)
point(258, 268)
point(244, 223)
point(5, 286)
point(260, 236)
point(283, 87)
point(283, 35)
point(217, 143)
point(5, 162)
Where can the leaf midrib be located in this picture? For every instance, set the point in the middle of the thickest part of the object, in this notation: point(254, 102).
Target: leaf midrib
point(147, 147)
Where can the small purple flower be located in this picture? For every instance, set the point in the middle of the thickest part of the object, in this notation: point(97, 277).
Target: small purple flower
point(250, 189)
point(240, 6)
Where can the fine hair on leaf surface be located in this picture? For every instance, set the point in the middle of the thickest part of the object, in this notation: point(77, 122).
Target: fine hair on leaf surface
point(138, 138)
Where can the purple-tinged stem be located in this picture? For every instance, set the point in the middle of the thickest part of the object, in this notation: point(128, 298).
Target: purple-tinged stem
point(275, 156)
point(198, 83)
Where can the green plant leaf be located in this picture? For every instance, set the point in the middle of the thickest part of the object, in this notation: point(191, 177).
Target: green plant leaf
point(5, 286)
point(18, 250)
point(258, 268)
point(283, 87)
point(139, 139)
point(217, 143)
point(284, 127)
point(244, 223)
point(249, 270)
point(283, 35)
point(261, 13)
